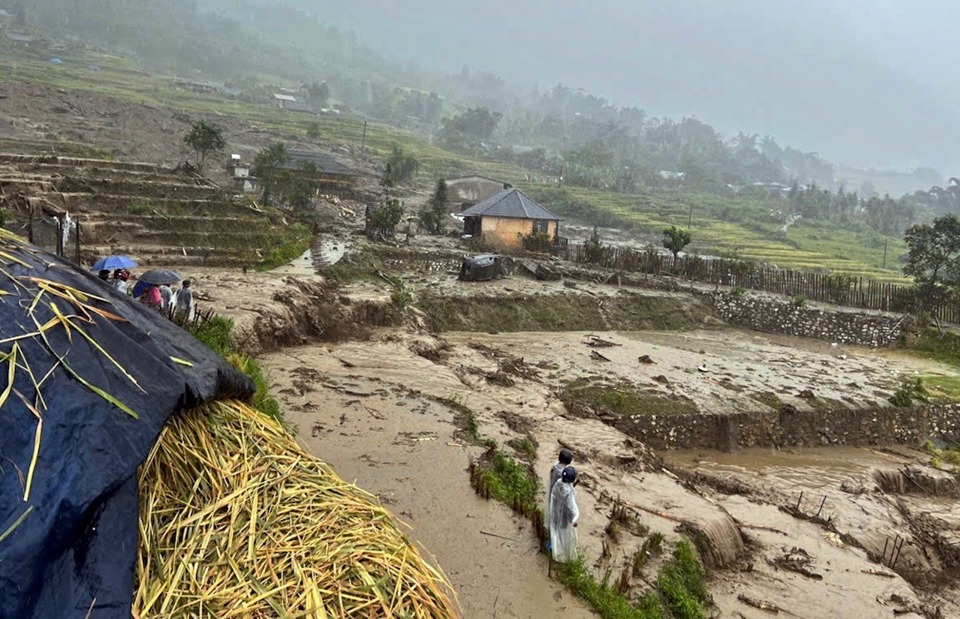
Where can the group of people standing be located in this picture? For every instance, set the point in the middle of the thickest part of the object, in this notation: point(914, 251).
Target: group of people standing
point(162, 298)
point(563, 515)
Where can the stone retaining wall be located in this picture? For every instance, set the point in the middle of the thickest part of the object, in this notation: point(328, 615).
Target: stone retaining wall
point(780, 316)
point(790, 427)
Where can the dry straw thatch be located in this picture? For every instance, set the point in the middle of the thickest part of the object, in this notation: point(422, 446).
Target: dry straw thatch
point(237, 521)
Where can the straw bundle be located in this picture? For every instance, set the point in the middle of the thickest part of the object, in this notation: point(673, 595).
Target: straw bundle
point(237, 521)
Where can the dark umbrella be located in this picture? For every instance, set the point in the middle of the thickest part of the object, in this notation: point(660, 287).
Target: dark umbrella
point(159, 277)
point(114, 262)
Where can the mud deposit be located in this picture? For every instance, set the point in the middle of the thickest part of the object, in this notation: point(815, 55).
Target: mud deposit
point(373, 409)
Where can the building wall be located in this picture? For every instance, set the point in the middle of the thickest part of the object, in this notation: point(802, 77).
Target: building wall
point(505, 231)
point(471, 190)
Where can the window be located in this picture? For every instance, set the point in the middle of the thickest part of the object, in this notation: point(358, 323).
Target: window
point(541, 226)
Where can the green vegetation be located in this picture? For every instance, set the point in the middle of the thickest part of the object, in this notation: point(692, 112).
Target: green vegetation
point(296, 242)
point(538, 242)
point(742, 224)
point(947, 459)
point(139, 207)
point(559, 312)
point(498, 476)
point(605, 601)
point(622, 398)
point(909, 391)
point(682, 584)
point(526, 447)
point(434, 215)
point(769, 398)
point(941, 388)
point(675, 239)
point(205, 139)
point(401, 166)
point(934, 257)
point(216, 334)
point(681, 589)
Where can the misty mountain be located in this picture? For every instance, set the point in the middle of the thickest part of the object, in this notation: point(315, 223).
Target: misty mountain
point(796, 70)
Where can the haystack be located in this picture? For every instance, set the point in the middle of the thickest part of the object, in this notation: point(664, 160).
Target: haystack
point(237, 521)
point(234, 520)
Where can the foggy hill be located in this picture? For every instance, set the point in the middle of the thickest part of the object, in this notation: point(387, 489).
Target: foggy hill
point(817, 74)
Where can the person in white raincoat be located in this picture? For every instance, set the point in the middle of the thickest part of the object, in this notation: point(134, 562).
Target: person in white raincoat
point(564, 517)
point(563, 461)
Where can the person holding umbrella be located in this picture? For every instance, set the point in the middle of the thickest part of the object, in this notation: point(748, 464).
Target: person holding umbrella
point(185, 304)
point(151, 280)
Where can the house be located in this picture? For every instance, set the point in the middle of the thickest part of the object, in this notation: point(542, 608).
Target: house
point(298, 106)
point(503, 218)
point(321, 168)
point(283, 101)
point(236, 168)
point(465, 191)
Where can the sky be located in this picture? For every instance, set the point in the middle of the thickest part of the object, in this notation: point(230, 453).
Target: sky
point(863, 82)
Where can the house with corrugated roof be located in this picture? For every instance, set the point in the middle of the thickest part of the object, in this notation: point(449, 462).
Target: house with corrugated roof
point(322, 169)
point(503, 219)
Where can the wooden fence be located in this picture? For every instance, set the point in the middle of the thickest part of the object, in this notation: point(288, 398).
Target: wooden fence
point(837, 289)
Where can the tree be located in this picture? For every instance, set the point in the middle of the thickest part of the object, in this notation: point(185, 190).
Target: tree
point(933, 259)
point(205, 139)
point(318, 93)
point(593, 249)
point(382, 219)
point(401, 166)
point(313, 130)
point(433, 216)
point(268, 166)
point(675, 239)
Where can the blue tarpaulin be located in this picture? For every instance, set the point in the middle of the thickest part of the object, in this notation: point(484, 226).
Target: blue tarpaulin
point(69, 455)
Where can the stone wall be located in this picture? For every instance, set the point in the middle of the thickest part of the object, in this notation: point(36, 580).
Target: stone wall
point(773, 315)
point(790, 427)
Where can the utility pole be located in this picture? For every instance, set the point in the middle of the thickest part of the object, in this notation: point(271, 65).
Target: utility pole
point(885, 241)
point(690, 217)
point(363, 140)
point(560, 178)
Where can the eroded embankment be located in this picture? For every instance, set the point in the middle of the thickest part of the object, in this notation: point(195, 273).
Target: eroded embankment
point(560, 311)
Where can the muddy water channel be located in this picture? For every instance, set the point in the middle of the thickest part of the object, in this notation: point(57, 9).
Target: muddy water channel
point(384, 413)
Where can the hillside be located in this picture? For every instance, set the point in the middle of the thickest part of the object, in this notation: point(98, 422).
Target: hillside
point(122, 110)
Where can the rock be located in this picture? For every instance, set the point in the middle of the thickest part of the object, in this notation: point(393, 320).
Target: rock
point(548, 274)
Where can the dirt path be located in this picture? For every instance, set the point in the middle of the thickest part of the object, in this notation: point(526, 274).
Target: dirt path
point(402, 447)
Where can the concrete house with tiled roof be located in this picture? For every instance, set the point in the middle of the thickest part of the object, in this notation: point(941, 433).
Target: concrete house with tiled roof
point(505, 217)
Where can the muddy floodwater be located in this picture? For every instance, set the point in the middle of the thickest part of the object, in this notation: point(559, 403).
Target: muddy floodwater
point(375, 410)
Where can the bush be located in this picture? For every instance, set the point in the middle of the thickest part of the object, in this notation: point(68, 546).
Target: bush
point(539, 242)
point(216, 334)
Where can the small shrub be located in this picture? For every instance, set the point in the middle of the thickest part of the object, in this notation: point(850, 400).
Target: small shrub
point(537, 242)
point(799, 300)
point(738, 291)
point(909, 391)
point(138, 207)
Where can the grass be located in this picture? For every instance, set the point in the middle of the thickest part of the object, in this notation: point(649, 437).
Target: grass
point(500, 477)
point(947, 459)
point(748, 227)
point(604, 600)
point(682, 584)
point(622, 398)
point(285, 250)
point(681, 589)
point(940, 387)
point(559, 312)
point(769, 398)
point(526, 447)
point(216, 334)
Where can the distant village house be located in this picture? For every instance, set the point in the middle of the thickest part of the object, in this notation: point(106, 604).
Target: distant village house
point(323, 169)
point(505, 217)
